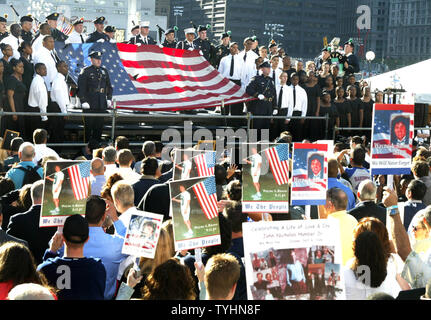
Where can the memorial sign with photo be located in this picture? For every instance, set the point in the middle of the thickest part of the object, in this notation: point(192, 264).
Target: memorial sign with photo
point(142, 234)
point(265, 179)
point(195, 213)
point(65, 191)
point(293, 260)
point(392, 139)
point(193, 164)
point(310, 174)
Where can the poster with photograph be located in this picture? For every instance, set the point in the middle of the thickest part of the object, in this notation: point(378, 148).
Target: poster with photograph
point(392, 139)
point(142, 234)
point(293, 260)
point(9, 135)
point(265, 178)
point(310, 174)
point(193, 164)
point(65, 190)
point(195, 213)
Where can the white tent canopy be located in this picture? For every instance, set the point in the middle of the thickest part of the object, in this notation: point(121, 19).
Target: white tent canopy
point(414, 79)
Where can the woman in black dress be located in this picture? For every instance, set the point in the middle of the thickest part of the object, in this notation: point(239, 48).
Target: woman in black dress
point(325, 72)
point(327, 108)
point(16, 92)
point(330, 87)
point(313, 105)
point(357, 109)
point(367, 104)
point(26, 51)
point(7, 51)
point(343, 109)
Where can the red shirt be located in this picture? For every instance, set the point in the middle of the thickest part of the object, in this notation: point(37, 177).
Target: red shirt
point(5, 287)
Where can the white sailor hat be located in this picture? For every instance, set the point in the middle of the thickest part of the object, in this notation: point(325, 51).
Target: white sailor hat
point(189, 30)
point(144, 24)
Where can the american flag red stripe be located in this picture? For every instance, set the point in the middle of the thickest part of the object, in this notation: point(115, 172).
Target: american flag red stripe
point(173, 79)
point(208, 202)
point(80, 185)
point(280, 169)
point(204, 168)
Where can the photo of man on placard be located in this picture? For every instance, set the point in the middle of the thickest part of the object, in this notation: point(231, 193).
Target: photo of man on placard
point(315, 165)
point(400, 129)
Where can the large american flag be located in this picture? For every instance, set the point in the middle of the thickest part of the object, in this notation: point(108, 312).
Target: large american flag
point(151, 78)
point(79, 175)
point(206, 194)
point(278, 158)
point(205, 163)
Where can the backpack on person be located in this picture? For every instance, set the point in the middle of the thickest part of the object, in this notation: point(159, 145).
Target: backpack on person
point(30, 174)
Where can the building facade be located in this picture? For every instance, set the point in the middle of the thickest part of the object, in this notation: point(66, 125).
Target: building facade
point(298, 25)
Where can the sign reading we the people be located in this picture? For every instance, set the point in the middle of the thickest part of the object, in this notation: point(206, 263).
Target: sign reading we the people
point(309, 174)
point(195, 213)
point(293, 260)
point(265, 179)
point(142, 234)
point(392, 139)
point(65, 190)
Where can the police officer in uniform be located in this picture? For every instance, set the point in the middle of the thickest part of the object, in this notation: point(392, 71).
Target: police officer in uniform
point(203, 44)
point(95, 94)
point(170, 41)
point(3, 28)
point(143, 37)
point(26, 26)
point(52, 21)
point(351, 65)
point(262, 87)
point(98, 35)
point(222, 50)
point(188, 43)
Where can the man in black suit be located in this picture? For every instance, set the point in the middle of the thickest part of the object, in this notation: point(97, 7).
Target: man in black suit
point(150, 173)
point(4, 237)
point(367, 206)
point(415, 193)
point(26, 225)
point(351, 65)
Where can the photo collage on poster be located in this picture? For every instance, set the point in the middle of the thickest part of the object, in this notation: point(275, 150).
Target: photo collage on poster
point(295, 274)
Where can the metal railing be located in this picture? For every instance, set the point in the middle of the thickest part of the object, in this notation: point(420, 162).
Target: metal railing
point(364, 129)
point(115, 116)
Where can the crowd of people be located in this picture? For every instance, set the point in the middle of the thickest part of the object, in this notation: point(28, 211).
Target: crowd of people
point(384, 227)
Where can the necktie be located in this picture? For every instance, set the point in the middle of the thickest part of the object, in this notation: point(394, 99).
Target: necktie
point(82, 39)
point(231, 67)
point(145, 40)
point(280, 97)
point(245, 56)
point(294, 97)
point(273, 75)
point(53, 56)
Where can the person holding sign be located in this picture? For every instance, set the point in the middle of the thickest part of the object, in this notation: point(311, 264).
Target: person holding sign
point(185, 200)
point(256, 164)
point(57, 182)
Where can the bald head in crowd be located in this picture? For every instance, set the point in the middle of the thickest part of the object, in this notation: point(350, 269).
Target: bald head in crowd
point(26, 151)
point(97, 167)
point(367, 190)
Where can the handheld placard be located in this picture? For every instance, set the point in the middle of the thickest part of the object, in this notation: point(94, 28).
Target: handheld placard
point(198, 256)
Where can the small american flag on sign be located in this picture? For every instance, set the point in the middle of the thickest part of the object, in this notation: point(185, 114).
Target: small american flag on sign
point(79, 175)
point(207, 196)
point(278, 158)
point(205, 164)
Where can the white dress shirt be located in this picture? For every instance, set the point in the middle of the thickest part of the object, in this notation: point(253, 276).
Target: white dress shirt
point(250, 59)
point(41, 151)
point(129, 175)
point(46, 57)
point(37, 44)
point(75, 37)
point(277, 76)
point(60, 92)
point(14, 43)
point(110, 169)
point(238, 67)
point(38, 95)
point(301, 100)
